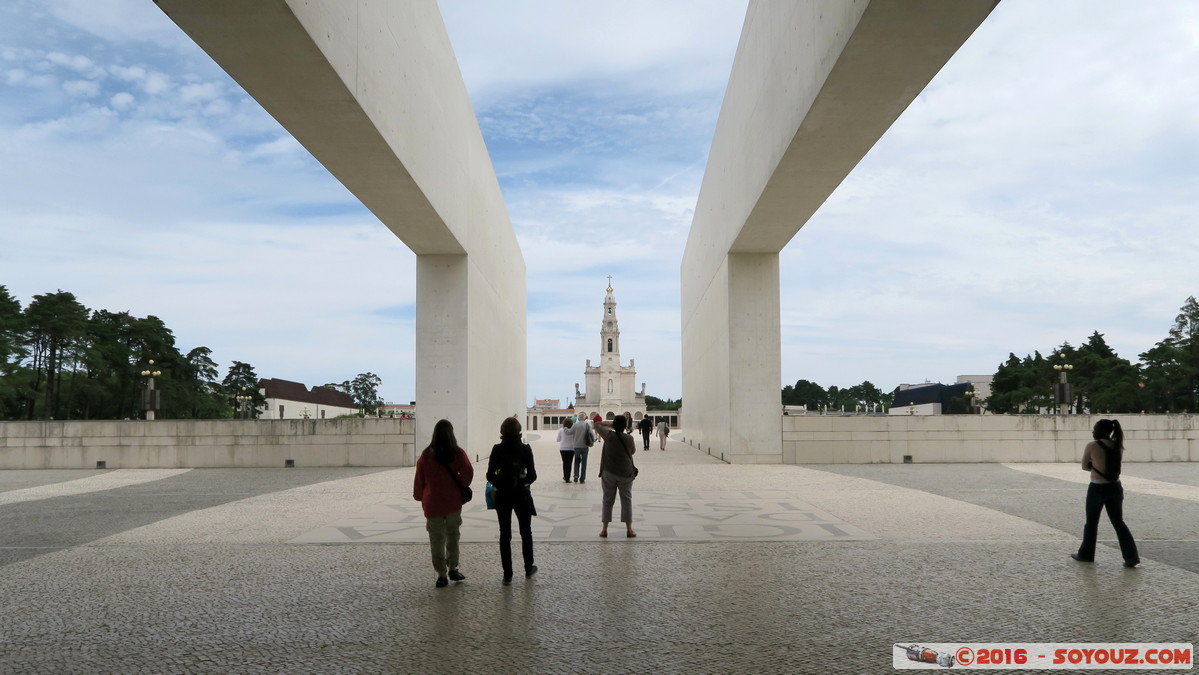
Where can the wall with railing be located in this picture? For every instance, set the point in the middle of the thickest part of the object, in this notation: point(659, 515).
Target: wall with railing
point(139, 444)
point(868, 439)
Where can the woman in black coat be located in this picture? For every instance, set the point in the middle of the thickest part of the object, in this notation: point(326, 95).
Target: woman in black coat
point(510, 471)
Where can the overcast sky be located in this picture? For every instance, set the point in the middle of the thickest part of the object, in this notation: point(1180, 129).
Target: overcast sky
point(1044, 186)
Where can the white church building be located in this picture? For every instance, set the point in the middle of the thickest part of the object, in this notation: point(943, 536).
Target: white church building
point(611, 388)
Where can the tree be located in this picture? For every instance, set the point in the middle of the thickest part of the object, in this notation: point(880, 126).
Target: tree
point(205, 396)
point(364, 389)
point(1022, 385)
point(241, 380)
point(805, 393)
point(1171, 367)
point(655, 403)
point(55, 322)
point(14, 377)
point(1102, 381)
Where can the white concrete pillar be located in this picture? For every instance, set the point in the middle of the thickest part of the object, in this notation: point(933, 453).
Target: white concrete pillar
point(372, 89)
point(755, 358)
point(814, 85)
point(442, 351)
point(734, 346)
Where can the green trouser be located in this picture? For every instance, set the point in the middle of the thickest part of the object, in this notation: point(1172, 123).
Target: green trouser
point(444, 532)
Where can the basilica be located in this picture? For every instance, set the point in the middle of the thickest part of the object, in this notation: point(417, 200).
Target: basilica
point(610, 387)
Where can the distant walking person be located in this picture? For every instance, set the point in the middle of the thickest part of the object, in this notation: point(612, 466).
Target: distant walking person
point(1102, 458)
point(584, 439)
point(617, 473)
point(510, 471)
point(663, 433)
point(442, 468)
point(566, 446)
point(645, 426)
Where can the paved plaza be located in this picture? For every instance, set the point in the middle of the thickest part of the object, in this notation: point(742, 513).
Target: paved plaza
point(789, 569)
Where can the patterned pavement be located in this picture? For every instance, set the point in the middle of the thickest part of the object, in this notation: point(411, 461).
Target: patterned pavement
point(814, 569)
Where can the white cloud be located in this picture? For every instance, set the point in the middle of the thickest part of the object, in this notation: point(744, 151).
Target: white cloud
point(82, 88)
point(121, 101)
point(204, 91)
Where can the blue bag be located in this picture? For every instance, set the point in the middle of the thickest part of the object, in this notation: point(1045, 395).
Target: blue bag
point(489, 496)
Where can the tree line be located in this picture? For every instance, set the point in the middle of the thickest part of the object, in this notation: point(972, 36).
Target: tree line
point(61, 360)
point(865, 396)
point(1165, 380)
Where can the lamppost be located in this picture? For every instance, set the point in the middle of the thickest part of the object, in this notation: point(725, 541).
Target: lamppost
point(243, 404)
point(970, 401)
point(304, 413)
point(150, 395)
point(1063, 386)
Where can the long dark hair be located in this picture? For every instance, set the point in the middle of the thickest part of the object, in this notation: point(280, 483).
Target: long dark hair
point(1106, 429)
point(443, 446)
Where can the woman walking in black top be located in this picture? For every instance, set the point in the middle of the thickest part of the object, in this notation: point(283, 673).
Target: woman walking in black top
point(1102, 458)
point(510, 471)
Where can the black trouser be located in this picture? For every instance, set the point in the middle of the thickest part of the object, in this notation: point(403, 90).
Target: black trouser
point(568, 460)
point(524, 518)
point(645, 436)
point(1111, 497)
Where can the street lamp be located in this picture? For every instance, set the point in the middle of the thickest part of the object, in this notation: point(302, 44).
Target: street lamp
point(970, 401)
point(1063, 386)
point(243, 403)
point(150, 395)
point(304, 413)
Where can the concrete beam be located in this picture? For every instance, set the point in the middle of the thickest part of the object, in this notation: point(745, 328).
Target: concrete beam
point(373, 91)
point(814, 86)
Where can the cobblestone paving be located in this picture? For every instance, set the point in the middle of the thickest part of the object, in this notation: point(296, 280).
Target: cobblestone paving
point(205, 581)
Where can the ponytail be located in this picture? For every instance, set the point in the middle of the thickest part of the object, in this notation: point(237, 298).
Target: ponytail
point(1109, 429)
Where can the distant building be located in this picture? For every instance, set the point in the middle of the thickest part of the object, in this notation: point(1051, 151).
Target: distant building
point(982, 387)
point(932, 398)
point(611, 387)
point(398, 410)
point(287, 400)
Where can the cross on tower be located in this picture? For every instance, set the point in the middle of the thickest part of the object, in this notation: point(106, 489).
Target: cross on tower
point(609, 279)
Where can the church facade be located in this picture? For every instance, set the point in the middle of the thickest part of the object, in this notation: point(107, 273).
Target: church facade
point(611, 388)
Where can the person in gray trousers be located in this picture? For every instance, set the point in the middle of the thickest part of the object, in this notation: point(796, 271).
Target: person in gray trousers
point(584, 439)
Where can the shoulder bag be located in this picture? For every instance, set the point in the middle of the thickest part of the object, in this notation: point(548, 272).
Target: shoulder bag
point(464, 491)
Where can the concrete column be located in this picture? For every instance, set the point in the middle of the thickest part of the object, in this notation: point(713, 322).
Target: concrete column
point(814, 85)
point(734, 347)
point(372, 89)
point(755, 358)
point(442, 351)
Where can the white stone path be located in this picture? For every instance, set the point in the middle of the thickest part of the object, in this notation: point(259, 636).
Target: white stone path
point(106, 481)
point(1073, 473)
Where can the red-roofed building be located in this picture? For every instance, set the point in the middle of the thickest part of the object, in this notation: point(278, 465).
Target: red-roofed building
point(287, 400)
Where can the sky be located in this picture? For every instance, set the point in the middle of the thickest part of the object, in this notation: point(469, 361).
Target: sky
point(1042, 187)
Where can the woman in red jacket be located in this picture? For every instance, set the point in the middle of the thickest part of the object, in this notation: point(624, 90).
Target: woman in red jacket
point(442, 468)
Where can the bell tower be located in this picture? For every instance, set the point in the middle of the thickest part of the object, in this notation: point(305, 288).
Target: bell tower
point(610, 333)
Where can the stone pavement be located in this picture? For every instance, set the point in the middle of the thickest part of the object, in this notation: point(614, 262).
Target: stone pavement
point(813, 569)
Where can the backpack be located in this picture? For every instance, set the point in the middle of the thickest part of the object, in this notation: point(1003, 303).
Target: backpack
point(1111, 459)
point(511, 471)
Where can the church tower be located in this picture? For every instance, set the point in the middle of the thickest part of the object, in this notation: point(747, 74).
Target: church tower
point(610, 331)
point(611, 388)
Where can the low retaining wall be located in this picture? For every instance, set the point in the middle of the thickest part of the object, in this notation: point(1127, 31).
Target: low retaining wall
point(163, 444)
point(818, 439)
